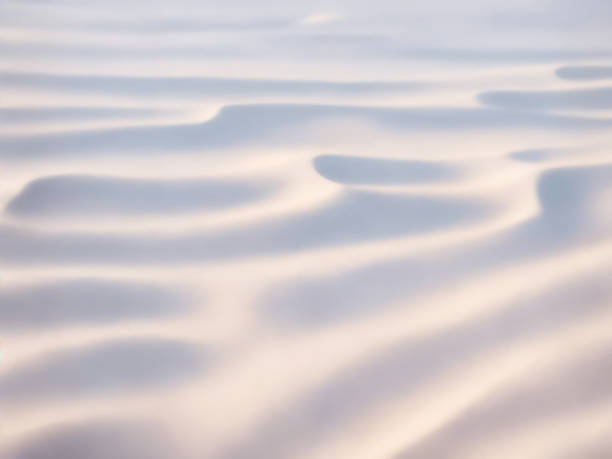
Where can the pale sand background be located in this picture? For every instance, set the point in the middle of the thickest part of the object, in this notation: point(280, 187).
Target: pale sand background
point(280, 229)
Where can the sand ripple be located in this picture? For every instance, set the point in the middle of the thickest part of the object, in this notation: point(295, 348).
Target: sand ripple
point(283, 232)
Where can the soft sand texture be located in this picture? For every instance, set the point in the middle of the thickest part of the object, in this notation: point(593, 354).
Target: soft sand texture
point(323, 230)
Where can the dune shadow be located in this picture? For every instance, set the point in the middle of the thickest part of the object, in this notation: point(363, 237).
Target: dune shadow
point(103, 439)
point(356, 170)
point(196, 87)
point(173, 25)
point(95, 51)
point(84, 301)
point(355, 216)
point(566, 197)
point(535, 155)
point(566, 220)
point(85, 195)
point(372, 45)
point(55, 18)
point(376, 46)
point(412, 364)
point(585, 73)
point(101, 369)
point(571, 99)
point(278, 125)
point(501, 55)
point(322, 47)
point(318, 301)
point(41, 115)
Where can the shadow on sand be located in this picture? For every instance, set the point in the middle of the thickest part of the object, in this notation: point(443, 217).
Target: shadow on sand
point(411, 365)
point(84, 301)
point(353, 217)
point(355, 170)
point(83, 195)
point(109, 439)
point(196, 87)
point(537, 155)
point(280, 125)
point(585, 73)
point(574, 388)
point(566, 220)
point(42, 115)
point(574, 99)
point(100, 369)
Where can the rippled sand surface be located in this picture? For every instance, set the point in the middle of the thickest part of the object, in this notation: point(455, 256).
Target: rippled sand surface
point(277, 230)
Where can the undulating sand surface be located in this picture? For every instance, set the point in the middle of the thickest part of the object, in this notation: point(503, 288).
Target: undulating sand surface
point(323, 230)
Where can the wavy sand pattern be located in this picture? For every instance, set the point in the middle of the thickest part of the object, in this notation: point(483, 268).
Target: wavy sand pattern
point(305, 230)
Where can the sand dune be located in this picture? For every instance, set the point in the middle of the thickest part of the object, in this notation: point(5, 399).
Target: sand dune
point(282, 126)
point(298, 231)
point(354, 217)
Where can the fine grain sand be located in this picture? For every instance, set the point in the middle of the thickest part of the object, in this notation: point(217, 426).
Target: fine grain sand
point(323, 230)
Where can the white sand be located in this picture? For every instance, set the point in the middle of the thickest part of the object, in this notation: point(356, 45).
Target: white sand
point(272, 230)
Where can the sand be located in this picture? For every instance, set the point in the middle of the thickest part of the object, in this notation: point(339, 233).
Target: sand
point(273, 230)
